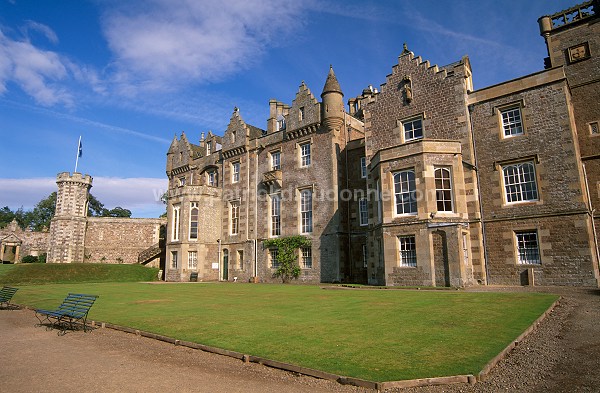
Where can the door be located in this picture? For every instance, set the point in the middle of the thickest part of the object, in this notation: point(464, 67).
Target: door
point(225, 269)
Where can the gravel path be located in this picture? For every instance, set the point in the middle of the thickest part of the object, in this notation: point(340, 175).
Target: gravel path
point(561, 355)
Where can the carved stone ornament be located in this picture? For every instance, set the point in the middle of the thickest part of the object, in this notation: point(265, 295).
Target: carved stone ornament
point(406, 87)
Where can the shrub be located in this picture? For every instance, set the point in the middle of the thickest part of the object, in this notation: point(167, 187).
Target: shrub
point(29, 259)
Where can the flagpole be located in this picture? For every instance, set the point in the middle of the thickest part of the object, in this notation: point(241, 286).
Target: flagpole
point(78, 153)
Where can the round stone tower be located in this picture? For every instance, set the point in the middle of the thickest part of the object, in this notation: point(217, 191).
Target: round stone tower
point(67, 228)
point(332, 109)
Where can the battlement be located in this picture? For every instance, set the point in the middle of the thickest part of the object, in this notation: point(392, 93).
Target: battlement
point(568, 17)
point(75, 177)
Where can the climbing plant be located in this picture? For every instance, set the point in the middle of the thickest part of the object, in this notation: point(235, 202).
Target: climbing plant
point(287, 257)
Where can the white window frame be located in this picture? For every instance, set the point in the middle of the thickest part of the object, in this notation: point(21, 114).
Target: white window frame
point(528, 247)
point(212, 178)
point(412, 127)
point(511, 119)
point(407, 250)
point(273, 252)
point(275, 160)
point(306, 257)
point(194, 206)
point(275, 216)
point(306, 210)
point(192, 260)
point(520, 185)
point(443, 190)
point(173, 259)
point(235, 171)
point(176, 222)
point(405, 193)
point(363, 212)
point(594, 127)
point(305, 154)
point(208, 148)
point(363, 167)
point(234, 217)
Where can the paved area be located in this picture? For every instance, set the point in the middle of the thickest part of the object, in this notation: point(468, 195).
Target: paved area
point(562, 355)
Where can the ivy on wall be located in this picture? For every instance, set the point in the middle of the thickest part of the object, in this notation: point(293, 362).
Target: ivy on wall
point(287, 256)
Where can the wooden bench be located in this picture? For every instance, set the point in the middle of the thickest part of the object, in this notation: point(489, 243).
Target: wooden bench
point(6, 294)
point(74, 309)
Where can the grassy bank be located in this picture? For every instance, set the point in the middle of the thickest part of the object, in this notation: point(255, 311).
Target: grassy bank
point(48, 273)
point(373, 334)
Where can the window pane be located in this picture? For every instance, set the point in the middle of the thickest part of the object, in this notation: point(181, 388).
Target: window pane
point(404, 190)
point(306, 257)
point(527, 246)
point(511, 122)
point(520, 182)
point(275, 215)
point(443, 190)
point(408, 251)
point(413, 129)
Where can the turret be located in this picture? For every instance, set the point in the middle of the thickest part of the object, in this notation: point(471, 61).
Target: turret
point(332, 110)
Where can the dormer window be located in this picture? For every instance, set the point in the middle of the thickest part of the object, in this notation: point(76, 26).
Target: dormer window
point(280, 123)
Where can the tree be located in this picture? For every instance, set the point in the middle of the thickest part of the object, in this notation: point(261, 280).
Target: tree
point(287, 255)
point(39, 218)
point(116, 212)
point(6, 216)
point(95, 207)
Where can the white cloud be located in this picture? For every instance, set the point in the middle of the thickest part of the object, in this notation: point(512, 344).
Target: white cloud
point(140, 195)
point(45, 30)
point(158, 44)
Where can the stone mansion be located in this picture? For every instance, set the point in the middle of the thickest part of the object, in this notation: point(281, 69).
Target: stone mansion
point(423, 182)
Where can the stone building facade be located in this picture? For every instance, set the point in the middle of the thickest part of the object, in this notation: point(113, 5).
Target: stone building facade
point(424, 182)
point(76, 238)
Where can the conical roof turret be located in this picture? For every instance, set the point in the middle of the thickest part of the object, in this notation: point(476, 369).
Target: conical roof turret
point(331, 84)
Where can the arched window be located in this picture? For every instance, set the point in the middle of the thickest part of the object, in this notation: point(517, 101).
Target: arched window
point(520, 182)
point(194, 221)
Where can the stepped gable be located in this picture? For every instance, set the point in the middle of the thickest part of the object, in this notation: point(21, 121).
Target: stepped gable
point(305, 109)
point(238, 134)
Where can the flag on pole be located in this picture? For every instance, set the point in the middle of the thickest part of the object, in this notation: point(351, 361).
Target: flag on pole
point(79, 152)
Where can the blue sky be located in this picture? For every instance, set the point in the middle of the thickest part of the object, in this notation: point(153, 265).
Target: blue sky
point(129, 75)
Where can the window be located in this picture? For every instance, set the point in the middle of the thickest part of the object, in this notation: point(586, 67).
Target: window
point(306, 211)
point(240, 259)
point(212, 178)
point(275, 160)
point(511, 122)
point(365, 256)
point(233, 136)
point(465, 246)
point(273, 257)
point(443, 189)
point(235, 172)
point(305, 154)
point(194, 220)
point(594, 128)
point(181, 181)
point(404, 191)
point(175, 230)
point(408, 251)
point(363, 212)
point(519, 182)
point(174, 259)
point(306, 258)
point(527, 247)
point(234, 208)
point(363, 167)
point(192, 260)
point(208, 148)
point(275, 215)
point(301, 114)
point(280, 123)
point(413, 129)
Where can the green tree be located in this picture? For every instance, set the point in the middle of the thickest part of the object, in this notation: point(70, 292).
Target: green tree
point(39, 218)
point(95, 207)
point(117, 212)
point(287, 255)
point(6, 216)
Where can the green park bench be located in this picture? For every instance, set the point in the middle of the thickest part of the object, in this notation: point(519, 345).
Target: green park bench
point(6, 295)
point(73, 310)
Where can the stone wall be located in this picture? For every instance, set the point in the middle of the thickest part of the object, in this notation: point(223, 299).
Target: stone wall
point(16, 243)
point(119, 240)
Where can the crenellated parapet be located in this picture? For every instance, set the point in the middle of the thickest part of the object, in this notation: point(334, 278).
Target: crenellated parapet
point(568, 17)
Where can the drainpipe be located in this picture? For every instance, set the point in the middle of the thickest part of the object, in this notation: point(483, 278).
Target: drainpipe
point(219, 258)
point(591, 212)
point(255, 272)
point(475, 168)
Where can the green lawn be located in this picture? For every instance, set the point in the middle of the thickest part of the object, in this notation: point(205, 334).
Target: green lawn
point(379, 335)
